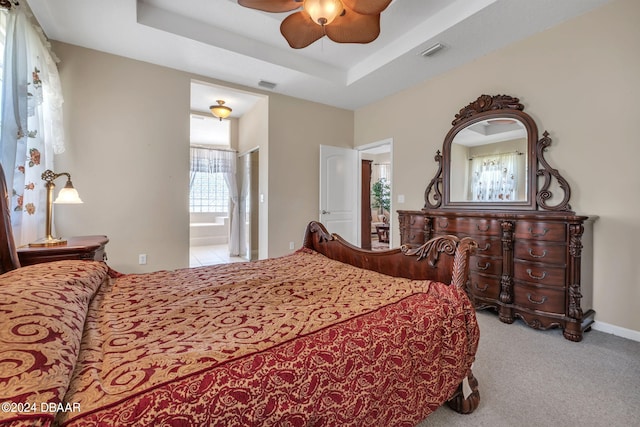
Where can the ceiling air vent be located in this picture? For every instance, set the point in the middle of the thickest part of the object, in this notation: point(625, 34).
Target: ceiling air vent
point(432, 50)
point(267, 85)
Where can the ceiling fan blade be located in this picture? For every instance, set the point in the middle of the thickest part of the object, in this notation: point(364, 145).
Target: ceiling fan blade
point(354, 28)
point(366, 7)
point(300, 31)
point(271, 5)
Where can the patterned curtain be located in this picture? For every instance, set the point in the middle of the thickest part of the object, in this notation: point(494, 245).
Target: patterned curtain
point(494, 177)
point(31, 121)
point(221, 161)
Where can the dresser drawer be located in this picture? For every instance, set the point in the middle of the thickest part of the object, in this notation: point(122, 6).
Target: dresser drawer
point(539, 298)
point(484, 286)
point(412, 236)
point(412, 228)
point(547, 231)
point(467, 226)
point(486, 265)
point(539, 274)
point(529, 250)
point(412, 219)
point(489, 246)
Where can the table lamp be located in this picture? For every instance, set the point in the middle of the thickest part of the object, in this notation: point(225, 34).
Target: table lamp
point(68, 195)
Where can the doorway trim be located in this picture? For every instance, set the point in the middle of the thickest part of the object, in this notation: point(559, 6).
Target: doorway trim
point(361, 149)
point(253, 249)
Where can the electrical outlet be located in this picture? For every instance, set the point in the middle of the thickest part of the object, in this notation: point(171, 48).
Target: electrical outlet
point(142, 259)
point(291, 245)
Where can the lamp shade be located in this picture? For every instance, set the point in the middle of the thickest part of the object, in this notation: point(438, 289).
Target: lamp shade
point(68, 195)
point(323, 12)
point(220, 111)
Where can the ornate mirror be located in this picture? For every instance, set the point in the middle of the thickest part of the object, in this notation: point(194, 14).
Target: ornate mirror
point(490, 160)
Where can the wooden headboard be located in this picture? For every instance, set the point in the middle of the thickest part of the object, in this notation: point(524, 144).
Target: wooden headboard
point(8, 255)
point(444, 259)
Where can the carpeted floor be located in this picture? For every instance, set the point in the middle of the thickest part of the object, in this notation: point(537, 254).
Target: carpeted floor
point(377, 245)
point(530, 378)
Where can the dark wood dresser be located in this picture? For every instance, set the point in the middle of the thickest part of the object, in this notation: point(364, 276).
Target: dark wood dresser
point(80, 247)
point(534, 267)
point(493, 184)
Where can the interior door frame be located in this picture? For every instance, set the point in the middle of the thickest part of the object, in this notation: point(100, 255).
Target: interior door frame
point(365, 200)
point(361, 149)
point(254, 190)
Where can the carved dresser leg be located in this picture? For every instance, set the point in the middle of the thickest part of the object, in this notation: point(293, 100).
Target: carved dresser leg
point(467, 405)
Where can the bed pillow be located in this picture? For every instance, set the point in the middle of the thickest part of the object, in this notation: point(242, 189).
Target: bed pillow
point(42, 313)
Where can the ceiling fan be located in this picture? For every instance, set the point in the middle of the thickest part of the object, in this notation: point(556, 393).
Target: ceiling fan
point(343, 21)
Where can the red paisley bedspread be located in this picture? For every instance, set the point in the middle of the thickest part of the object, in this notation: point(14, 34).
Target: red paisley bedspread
point(42, 313)
point(299, 340)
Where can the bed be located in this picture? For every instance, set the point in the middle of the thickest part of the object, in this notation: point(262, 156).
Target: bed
point(328, 335)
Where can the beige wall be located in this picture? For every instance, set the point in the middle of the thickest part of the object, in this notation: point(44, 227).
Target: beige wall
point(127, 135)
point(581, 82)
point(297, 128)
point(288, 133)
point(127, 127)
point(254, 134)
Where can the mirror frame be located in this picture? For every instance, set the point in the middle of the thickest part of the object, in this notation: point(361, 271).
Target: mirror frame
point(437, 194)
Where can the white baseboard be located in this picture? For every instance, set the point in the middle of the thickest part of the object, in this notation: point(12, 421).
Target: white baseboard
point(617, 330)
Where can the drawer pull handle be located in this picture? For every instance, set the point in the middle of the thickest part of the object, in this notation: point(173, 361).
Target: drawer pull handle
point(486, 286)
point(544, 232)
point(486, 247)
point(484, 267)
point(483, 229)
point(544, 274)
point(544, 254)
point(443, 224)
point(531, 300)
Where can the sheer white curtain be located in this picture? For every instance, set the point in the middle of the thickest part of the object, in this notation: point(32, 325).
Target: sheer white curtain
point(31, 121)
point(494, 177)
point(384, 170)
point(221, 161)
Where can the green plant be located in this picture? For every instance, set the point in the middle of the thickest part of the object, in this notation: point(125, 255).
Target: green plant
point(381, 193)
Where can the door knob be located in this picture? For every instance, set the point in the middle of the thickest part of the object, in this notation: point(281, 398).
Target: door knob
point(323, 212)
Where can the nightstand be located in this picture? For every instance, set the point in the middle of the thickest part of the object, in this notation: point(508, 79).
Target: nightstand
point(79, 247)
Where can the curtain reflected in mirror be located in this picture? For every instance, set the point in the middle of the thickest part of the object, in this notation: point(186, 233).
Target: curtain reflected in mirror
point(489, 162)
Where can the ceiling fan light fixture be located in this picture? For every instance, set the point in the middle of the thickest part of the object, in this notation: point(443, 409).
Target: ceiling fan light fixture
point(323, 12)
point(220, 111)
point(342, 21)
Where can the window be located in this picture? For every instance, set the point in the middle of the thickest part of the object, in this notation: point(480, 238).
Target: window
point(208, 193)
point(211, 171)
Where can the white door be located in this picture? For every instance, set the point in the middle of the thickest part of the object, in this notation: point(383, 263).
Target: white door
point(339, 191)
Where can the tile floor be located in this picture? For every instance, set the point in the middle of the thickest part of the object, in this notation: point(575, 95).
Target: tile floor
point(209, 255)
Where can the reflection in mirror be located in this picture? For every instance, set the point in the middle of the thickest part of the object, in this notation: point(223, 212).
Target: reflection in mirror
point(489, 162)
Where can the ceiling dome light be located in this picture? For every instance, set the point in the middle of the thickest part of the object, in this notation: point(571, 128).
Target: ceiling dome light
point(323, 12)
point(220, 111)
